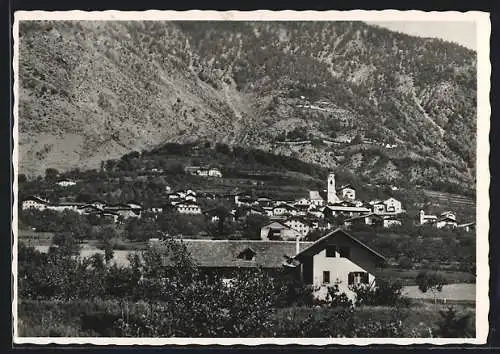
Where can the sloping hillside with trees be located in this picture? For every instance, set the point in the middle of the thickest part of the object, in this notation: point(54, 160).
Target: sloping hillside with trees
point(93, 90)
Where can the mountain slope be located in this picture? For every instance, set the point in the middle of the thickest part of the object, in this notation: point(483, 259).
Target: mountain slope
point(96, 90)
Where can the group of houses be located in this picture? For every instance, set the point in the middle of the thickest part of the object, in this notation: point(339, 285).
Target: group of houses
point(112, 212)
point(292, 219)
point(447, 219)
point(204, 171)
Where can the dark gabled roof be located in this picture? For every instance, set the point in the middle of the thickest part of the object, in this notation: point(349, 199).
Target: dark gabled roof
point(257, 208)
point(37, 199)
point(345, 186)
point(189, 202)
point(446, 218)
point(364, 216)
point(224, 253)
point(277, 222)
point(344, 203)
point(299, 218)
point(301, 206)
point(313, 248)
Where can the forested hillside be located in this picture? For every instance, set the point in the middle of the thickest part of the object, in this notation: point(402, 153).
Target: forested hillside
point(395, 108)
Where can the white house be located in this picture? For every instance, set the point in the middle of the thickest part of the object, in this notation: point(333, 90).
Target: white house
point(317, 212)
point(188, 208)
point(445, 222)
point(347, 192)
point(60, 207)
point(335, 210)
point(392, 205)
point(390, 221)
point(299, 225)
point(427, 218)
point(315, 199)
point(34, 203)
point(281, 209)
point(449, 214)
point(66, 183)
point(337, 258)
point(280, 231)
point(135, 206)
point(378, 206)
point(214, 172)
point(303, 201)
point(98, 204)
point(367, 219)
point(268, 210)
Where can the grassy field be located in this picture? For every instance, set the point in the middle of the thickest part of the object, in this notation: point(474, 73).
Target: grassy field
point(50, 318)
point(451, 292)
point(34, 238)
point(407, 276)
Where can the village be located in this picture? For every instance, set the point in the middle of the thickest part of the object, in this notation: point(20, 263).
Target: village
point(284, 240)
point(291, 219)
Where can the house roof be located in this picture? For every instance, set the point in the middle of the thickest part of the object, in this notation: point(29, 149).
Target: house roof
point(301, 206)
point(298, 218)
point(346, 208)
point(314, 247)
point(446, 218)
point(36, 199)
point(77, 204)
point(187, 202)
point(224, 253)
point(364, 216)
point(277, 225)
point(345, 186)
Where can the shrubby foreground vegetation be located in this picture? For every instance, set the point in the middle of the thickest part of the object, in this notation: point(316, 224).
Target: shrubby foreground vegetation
point(65, 295)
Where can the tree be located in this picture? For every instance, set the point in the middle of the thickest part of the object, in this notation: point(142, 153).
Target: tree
point(51, 175)
point(357, 140)
point(452, 325)
point(66, 243)
point(432, 281)
point(252, 226)
point(108, 251)
point(21, 178)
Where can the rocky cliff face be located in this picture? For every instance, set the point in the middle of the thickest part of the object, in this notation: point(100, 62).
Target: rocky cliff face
point(90, 91)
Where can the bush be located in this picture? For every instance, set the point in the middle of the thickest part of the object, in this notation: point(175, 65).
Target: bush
point(453, 325)
point(383, 293)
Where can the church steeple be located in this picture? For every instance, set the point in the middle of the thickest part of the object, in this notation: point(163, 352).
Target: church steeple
point(332, 193)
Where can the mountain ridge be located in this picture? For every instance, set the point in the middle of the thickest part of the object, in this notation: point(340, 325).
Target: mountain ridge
point(90, 91)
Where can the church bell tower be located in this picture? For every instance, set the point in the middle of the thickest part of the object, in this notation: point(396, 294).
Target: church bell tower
point(332, 194)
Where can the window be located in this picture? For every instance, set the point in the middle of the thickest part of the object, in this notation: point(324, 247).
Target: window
point(326, 277)
point(356, 278)
point(331, 251)
point(345, 252)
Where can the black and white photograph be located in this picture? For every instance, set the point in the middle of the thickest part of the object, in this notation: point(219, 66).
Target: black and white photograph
point(262, 177)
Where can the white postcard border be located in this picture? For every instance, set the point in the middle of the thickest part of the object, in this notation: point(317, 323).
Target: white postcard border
point(482, 181)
